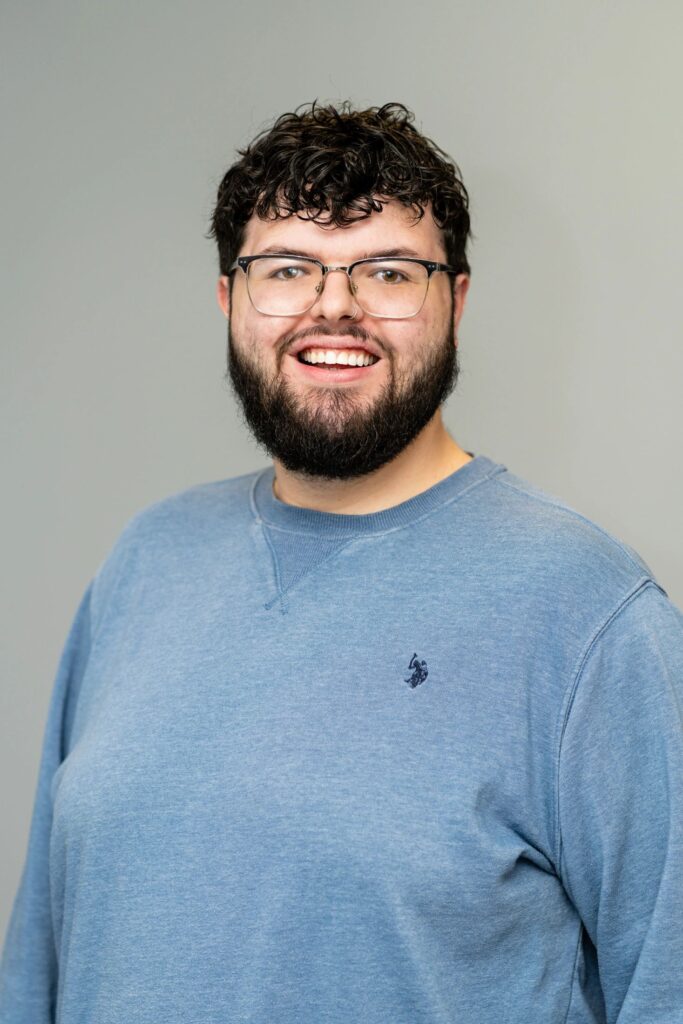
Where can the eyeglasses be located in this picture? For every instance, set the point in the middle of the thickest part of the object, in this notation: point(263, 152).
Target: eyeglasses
point(386, 287)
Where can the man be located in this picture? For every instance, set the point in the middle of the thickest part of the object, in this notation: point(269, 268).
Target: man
point(380, 733)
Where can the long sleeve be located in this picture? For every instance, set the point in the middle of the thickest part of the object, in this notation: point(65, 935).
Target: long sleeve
point(620, 793)
point(28, 970)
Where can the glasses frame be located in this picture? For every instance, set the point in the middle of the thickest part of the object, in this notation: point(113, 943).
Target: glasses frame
point(244, 262)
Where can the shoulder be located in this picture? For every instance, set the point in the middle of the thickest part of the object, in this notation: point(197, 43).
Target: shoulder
point(541, 520)
point(179, 525)
point(553, 555)
point(194, 506)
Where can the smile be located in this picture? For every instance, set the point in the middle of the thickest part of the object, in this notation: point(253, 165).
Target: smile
point(337, 357)
point(334, 365)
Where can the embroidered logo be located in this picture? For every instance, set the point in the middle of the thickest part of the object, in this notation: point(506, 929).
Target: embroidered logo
point(420, 671)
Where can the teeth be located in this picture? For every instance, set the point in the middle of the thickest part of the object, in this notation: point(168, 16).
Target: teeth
point(344, 357)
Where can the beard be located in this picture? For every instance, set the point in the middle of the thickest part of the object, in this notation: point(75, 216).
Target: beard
point(333, 432)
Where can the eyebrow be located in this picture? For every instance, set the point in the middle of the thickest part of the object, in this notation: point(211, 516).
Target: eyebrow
point(278, 250)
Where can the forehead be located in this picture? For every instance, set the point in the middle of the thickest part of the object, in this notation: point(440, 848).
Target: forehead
point(394, 227)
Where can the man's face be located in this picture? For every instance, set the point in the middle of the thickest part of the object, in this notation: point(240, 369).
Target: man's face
point(343, 423)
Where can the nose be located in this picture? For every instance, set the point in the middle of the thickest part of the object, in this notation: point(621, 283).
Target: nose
point(335, 300)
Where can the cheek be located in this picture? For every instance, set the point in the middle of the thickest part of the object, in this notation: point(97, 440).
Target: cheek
point(257, 340)
point(438, 327)
point(412, 340)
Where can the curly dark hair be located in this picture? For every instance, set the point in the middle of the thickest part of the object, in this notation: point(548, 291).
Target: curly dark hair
point(334, 165)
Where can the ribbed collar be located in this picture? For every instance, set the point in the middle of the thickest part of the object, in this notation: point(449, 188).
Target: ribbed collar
point(335, 524)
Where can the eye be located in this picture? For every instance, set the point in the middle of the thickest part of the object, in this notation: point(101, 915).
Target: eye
point(388, 275)
point(289, 273)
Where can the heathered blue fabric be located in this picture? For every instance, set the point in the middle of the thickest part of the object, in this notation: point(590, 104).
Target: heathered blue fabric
point(251, 807)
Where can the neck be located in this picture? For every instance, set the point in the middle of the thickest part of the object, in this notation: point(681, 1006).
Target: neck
point(429, 458)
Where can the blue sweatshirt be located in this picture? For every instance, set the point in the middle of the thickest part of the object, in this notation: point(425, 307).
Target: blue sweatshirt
point(419, 766)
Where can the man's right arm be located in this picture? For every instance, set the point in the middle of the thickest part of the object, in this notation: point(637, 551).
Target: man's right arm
point(28, 969)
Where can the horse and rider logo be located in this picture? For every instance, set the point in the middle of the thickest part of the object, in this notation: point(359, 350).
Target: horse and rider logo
point(419, 671)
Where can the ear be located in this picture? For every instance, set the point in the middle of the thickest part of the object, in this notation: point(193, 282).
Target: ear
point(462, 283)
point(223, 295)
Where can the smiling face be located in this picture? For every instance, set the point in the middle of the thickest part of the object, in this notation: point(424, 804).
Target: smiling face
point(347, 421)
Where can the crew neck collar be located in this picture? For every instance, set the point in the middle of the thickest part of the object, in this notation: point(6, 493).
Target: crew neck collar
point(294, 518)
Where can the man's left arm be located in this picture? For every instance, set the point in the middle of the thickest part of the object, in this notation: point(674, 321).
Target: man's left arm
point(620, 807)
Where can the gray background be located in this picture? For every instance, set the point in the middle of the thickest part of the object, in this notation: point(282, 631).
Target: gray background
point(119, 120)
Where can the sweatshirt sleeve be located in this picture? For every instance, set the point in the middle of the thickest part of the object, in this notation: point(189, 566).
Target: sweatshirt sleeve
point(620, 807)
point(28, 969)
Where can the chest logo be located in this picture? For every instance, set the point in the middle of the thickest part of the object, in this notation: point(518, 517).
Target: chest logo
point(419, 671)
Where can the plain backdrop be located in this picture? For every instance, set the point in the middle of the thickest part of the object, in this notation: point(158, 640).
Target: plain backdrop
point(118, 121)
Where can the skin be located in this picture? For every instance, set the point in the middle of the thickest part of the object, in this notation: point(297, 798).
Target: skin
point(433, 454)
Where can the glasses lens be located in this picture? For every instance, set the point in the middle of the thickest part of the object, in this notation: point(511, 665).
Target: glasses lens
point(391, 287)
point(283, 285)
